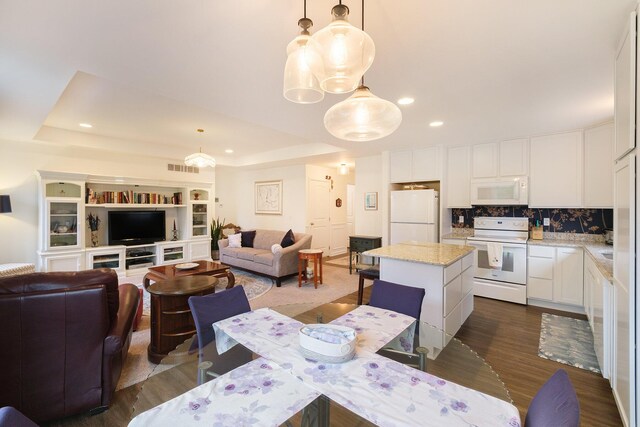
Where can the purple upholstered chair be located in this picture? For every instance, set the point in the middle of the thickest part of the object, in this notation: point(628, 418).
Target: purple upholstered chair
point(11, 417)
point(555, 404)
point(402, 299)
point(207, 310)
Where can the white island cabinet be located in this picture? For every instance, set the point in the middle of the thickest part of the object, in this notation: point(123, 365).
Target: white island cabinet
point(444, 271)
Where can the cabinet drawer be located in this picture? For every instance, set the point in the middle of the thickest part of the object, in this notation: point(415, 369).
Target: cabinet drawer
point(452, 271)
point(467, 281)
point(542, 251)
point(542, 268)
point(452, 295)
point(453, 321)
point(358, 244)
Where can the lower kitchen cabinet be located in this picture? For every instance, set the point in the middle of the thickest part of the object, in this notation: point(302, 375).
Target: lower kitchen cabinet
point(598, 304)
point(555, 274)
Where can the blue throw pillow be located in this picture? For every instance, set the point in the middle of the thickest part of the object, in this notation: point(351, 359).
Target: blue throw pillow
point(247, 238)
point(288, 239)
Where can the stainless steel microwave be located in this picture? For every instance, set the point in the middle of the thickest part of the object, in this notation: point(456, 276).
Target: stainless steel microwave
point(500, 191)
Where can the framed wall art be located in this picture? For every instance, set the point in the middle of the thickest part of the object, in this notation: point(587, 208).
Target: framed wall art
point(371, 201)
point(269, 197)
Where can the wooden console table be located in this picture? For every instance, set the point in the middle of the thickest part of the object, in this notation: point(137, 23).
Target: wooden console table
point(359, 244)
point(171, 319)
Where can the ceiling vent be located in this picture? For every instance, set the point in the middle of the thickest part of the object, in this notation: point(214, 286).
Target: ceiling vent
point(183, 168)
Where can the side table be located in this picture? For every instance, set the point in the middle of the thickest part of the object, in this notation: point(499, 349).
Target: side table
point(171, 319)
point(304, 256)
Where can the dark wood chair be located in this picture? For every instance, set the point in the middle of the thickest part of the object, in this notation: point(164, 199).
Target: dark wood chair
point(371, 273)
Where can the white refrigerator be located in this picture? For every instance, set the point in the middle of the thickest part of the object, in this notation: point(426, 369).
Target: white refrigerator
point(414, 216)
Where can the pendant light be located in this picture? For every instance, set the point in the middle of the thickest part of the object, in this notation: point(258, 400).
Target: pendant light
point(199, 159)
point(344, 53)
point(363, 116)
point(300, 84)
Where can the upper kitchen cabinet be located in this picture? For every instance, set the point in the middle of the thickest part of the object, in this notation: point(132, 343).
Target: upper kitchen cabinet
point(555, 171)
point(458, 177)
point(514, 157)
point(625, 90)
point(598, 167)
point(484, 160)
point(415, 165)
point(509, 158)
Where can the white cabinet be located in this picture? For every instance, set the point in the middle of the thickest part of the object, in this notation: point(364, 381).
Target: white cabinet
point(514, 157)
point(459, 242)
point(507, 159)
point(598, 167)
point(200, 250)
point(625, 90)
point(555, 274)
point(458, 177)
point(484, 160)
point(199, 213)
point(106, 257)
point(415, 166)
point(61, 261)
point(555, 165)
point(172, 252)
point(599, 309)
point(62, 215)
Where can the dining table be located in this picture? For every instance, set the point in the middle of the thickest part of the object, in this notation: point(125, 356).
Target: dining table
point(404, 372)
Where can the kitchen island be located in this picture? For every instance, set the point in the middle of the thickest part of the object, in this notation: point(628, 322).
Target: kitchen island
point(444, 271)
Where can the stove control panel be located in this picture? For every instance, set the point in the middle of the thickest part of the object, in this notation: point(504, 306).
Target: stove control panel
point(501, 223)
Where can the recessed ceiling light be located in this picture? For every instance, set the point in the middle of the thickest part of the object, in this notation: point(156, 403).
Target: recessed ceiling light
point(85, 125)
point(436, 124)
point(228, 151)
point(406, 100)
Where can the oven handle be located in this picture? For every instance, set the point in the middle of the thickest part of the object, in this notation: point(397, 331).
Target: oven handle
point(504, 245)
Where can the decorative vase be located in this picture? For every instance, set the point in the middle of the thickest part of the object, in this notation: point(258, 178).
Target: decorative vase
point(215, 254)
point(94, 238)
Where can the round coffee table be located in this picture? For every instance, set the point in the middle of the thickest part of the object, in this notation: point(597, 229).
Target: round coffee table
point(304, 256)
point(171, 319)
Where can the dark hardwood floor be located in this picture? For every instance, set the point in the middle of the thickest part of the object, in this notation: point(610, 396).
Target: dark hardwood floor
point(506, 335)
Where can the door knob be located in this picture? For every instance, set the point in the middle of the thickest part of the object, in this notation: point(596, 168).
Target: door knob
point(311, 223)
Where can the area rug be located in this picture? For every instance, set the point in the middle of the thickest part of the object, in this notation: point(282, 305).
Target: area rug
point(567, 340)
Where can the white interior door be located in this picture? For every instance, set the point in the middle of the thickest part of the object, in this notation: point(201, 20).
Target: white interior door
point(319, 204)
point(351, 226)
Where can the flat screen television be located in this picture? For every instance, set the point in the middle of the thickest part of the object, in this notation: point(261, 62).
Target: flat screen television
point(136, 227)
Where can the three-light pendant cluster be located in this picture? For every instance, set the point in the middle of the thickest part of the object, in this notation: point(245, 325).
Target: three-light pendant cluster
point(334, 60)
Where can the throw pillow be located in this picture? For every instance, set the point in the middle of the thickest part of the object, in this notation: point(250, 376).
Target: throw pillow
point(235, 240)
point(247, 238)
point(288, 239)
point(276, 248)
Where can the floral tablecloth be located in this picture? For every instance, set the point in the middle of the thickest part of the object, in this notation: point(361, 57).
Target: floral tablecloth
point(383, 391)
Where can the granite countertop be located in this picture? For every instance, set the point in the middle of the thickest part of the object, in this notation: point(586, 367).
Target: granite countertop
point(422, 252)
point(594, 249)
point(456, 236)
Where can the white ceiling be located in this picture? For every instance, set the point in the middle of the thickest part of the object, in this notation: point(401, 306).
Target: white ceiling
point(147, 73)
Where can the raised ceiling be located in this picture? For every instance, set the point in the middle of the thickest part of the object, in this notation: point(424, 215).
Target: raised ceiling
point(147, 73)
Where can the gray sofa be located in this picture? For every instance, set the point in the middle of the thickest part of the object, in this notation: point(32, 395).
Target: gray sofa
point(259, 259)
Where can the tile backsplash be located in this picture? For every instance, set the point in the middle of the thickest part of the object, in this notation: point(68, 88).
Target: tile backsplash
point(587, 221)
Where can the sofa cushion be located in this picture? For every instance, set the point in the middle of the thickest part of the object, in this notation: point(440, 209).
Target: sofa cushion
point(265, 238)
point(235, 240)
point(288, 239)
point(230, 252)
point(249, 253)
point(264, 258)
point(247, 238)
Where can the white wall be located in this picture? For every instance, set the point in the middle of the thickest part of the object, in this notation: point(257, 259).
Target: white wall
point(235, 192)
point(368, 178)
point(20, 160)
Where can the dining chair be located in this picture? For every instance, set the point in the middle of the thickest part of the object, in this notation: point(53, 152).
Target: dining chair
point(11, 417)
point(555, 404)
point(207, 310)
point(401, 299)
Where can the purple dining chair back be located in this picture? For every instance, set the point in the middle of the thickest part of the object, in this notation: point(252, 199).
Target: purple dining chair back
point(555, 404)
point(11, 417)
point(400, 298)
point(208, 309)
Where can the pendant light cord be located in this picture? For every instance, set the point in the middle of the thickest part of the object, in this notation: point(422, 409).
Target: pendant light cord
point(362, 78)
point(305, 9)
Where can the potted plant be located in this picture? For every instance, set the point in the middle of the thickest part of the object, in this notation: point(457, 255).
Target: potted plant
point(216, 233)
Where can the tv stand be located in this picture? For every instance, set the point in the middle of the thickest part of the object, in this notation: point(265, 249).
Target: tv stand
point(65, 241)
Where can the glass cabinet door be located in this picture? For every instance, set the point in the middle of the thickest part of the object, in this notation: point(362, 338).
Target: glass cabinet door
point(199, 219)
point(63, 214)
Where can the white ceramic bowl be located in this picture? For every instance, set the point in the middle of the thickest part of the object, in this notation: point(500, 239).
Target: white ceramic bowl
point(321, 350)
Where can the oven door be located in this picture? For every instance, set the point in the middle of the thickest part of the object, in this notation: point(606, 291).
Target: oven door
point(514, 262)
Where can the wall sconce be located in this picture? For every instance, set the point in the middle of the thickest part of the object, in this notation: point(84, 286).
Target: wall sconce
point(328, 178)
point(5, 204)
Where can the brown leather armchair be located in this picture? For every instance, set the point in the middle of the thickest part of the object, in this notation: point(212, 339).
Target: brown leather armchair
point(63, 340)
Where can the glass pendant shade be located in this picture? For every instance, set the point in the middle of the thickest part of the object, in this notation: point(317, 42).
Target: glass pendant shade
point(200, 160)
point(344, 53)
point(300, 84)
point(362, 117)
